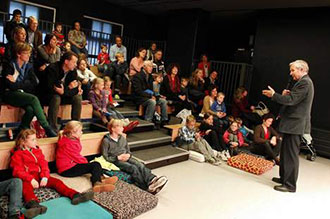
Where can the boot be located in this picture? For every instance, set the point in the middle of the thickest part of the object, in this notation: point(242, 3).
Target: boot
point(82, 197)
point(33, 208)
point(102, 187)
point(50, 132)
point(109, 180)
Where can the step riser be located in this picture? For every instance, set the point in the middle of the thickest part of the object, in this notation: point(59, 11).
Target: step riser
point(167, 162)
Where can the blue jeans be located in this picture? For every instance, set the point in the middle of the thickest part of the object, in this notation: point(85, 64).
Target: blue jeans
point(78, 50)
point(12, 187)
point(141, 175)
point(150, 106)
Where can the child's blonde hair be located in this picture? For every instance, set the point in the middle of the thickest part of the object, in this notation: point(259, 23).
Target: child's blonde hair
point(113, 123)
point(69, 128)
point(221, 94)
point(107, 79)
point(190, 118)
point(22, 136)
point(104, 46)
point(97, 81)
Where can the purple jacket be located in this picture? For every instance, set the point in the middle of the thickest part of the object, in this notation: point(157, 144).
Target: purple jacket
point(98, 102)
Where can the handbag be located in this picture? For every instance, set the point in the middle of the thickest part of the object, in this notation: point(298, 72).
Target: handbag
point(261, 109)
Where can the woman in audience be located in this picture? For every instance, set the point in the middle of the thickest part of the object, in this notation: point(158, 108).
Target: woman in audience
point(241, 108)
point(115, 149)
point(204, 65)
point(196, 87)
point(267, 142)
point(29, 164)
point(118, 71)
point(20, 84)
point(137, 62)
point(212, 135)
point(212, 80)
point(19, 35)
point(190, 139)
point(77, 39)
point(66, 47)
point(171, 88)
point(85, 76)
point(151, 52)
point(70, 163)
point(59, 35)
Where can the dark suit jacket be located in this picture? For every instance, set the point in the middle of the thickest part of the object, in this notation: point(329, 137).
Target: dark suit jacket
point(139, 85)
point(296, 111)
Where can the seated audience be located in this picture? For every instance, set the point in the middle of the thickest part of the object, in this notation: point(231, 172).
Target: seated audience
point(136, 63)
point(151, 52)
point(241, 108)
point(19, 35)
point(204, 65)
point(142, 86)
point(196, 87)
point(103, 60)
point(233, 139)
point(118, 48)
point(115, 149)
point(185, 94)
point(70, 163)
point(212, 135)
point(59, 35)
point(29, 164)
point(158, 64)
point(212, 80)
point(77, 39)
point(267, 142)
point(34, 36)
point(219, 107)
point(118, 71)
point(208, 102)
point(66, 47)
point(63, 88)
point(246, 132)
point(12, 24)
point(190, 139)
point(156, 85)
point(86, 77)
point(20, 84)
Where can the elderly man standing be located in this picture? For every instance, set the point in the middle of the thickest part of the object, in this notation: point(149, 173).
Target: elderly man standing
point(142, 89)
point(295, 121)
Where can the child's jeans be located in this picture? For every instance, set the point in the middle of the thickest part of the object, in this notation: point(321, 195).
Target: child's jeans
point(12, 187)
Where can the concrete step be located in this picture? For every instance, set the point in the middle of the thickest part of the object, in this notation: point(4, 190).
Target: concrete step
point(148, 139)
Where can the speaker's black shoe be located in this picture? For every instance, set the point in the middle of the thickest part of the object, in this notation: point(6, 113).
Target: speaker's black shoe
point(277, 180)
point(283, 188)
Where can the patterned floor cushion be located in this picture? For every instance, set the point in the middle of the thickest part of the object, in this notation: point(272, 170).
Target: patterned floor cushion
point(126, 201)
point(120, 174)
point(44, 194)
point(250, 163)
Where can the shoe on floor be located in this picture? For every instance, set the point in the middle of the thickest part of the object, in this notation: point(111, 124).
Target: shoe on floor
point(283, 188)
point(222, 155)
point(277, 180)
point(227, 154)
point(33, 208)
point(110, 180)
point(102, 187)
point(158, 185)
point(82, 197)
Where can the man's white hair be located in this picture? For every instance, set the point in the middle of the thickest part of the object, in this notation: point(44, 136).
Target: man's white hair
point(300, 64)
point(147, 63)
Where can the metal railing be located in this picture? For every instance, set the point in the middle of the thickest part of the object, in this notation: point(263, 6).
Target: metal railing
point(231, 75)
point(94, 39)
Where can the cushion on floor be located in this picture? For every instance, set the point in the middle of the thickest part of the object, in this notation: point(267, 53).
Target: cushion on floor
point(250, 163)
point(195, 156)
point(43, 194)
point(120, 174)
point(62, 208)
point(126, 201)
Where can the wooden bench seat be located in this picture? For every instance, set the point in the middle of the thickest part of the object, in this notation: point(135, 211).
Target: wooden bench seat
point(65, 111)
point(10, 114)
point(175, 129)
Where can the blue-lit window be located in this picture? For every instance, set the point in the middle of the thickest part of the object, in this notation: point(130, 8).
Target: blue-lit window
point(27, 10)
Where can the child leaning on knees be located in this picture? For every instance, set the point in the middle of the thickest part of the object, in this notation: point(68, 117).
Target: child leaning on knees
point(85, 76)
point(70, 163)
point(220, 108)
point(29, 164)
point(115, 149)
point(246, 132)
point(190, 139)
point(233, 138)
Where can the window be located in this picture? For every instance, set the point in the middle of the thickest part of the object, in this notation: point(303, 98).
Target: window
point(27, 10)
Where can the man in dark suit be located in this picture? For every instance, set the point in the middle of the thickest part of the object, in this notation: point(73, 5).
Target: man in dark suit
point(34, 36)
point(295, 121)
point(142, 90)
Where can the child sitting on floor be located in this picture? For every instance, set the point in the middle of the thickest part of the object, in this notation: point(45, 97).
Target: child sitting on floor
point(189, 139)
point(115, 149)
point(70, 163)
point(233, 138)
point(220, 107)
point(29, 164)
point(158, 78)
point(246, 132)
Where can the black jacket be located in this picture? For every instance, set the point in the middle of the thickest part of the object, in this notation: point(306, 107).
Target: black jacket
point(28, 84)
point(9, 28)
point(118, 69)
point(55, 74)
point(139, 85)
point(165, 89)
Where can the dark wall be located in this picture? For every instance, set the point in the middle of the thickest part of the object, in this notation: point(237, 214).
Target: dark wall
point(284, 36)
point(136, 24)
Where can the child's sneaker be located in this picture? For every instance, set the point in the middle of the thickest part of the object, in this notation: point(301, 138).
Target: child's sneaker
point(110, 180)
point(227, 154)
point(101, 187)
point(157, 184)
point(82, 197)
point(33, 208)
point(222, 155)
point(131, 126)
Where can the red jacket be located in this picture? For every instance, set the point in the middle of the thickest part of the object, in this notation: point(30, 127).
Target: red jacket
point(103, 57)
point(239, 136)
point(26, 163)
point(68, 154)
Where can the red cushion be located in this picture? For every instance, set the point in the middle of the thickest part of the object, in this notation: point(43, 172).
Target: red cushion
point(250, 163)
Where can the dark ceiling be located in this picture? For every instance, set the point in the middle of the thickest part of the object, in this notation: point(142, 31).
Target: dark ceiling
point(162, 6)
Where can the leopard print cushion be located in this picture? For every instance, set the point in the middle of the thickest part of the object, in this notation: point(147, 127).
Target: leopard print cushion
point(43, 194)
point(126, 201)
point(250, 163)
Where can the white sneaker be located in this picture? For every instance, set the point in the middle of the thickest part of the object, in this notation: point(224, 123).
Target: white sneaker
point(216, 163)
point(227, 154)
point(222, 155)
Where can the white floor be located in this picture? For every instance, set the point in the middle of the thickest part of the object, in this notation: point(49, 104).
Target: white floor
point(199, 190)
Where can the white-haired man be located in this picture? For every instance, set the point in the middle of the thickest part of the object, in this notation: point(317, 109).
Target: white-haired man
point(295, 121)
point(34, 36)
point(142, 90)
